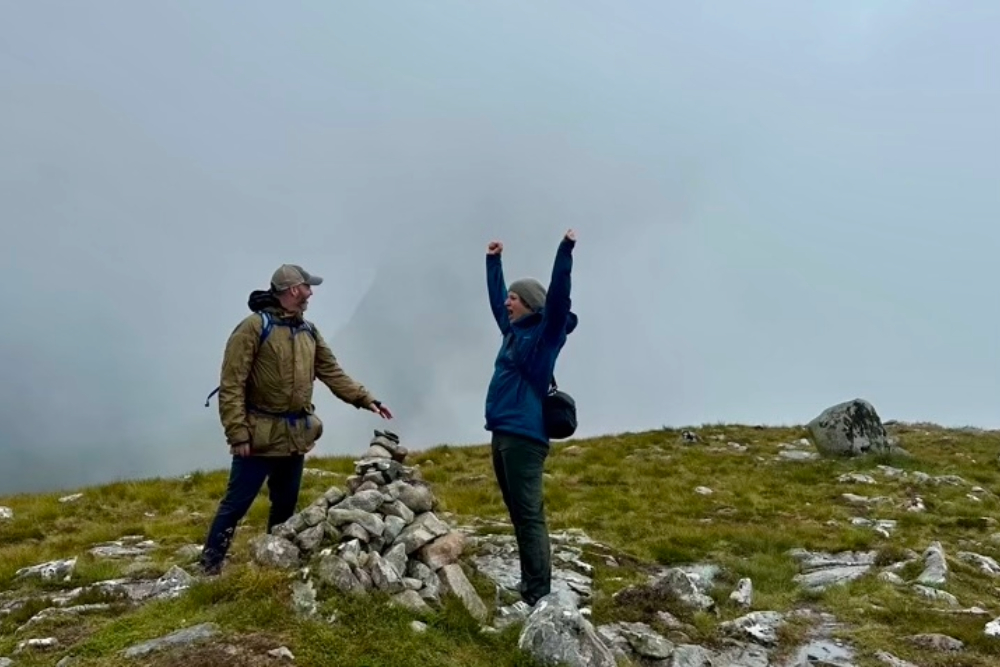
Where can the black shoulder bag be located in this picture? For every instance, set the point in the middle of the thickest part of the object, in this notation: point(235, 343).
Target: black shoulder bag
point(559, 412)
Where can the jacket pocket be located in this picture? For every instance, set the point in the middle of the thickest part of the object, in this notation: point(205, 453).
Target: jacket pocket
point(261, 432)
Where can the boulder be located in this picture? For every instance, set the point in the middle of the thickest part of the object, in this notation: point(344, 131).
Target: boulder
point(852, 428)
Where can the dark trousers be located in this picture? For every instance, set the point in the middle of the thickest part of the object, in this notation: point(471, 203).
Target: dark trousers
point(518, 464)
point(246, 476)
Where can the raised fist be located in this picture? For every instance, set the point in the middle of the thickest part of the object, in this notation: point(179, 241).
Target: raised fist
point(494, 248)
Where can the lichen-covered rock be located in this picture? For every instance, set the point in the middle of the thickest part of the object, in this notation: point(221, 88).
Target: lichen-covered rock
point(185, 637)
point(557, 633)
point(274, 551)
point(852, 428)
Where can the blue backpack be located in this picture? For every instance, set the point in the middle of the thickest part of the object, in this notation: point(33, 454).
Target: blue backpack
point(268, 325)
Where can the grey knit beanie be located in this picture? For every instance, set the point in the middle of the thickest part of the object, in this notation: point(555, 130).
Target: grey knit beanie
point(531, 292)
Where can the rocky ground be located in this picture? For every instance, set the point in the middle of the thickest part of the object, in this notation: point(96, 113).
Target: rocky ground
point(382, 535)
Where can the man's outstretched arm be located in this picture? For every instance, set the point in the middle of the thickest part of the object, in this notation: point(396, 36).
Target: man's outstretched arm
point(495, 285)
point(557, 298)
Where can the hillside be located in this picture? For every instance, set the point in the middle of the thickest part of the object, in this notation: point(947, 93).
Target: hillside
point(726, 502)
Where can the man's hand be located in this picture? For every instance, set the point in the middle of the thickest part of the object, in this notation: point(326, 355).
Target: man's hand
point(380, 410)
point(570, 235)
point(240, 450)
point(494, 248)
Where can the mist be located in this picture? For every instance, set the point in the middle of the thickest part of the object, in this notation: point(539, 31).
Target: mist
point(779, 206)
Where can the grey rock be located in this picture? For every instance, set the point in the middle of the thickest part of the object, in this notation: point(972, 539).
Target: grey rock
point(891, 578)
point(37, 644)
point(797, 455)
point(53, 612)
point(366, 501)
point(274, 551)
point(304, 598)
point(185, 637)
point(984, 564)
point(761, 627)
point(821, 571)
point(6, 662)
point(992, 628)
point(852, 428)
point(936, 594)
point(356, 532)
point(398, 509)
point(372, 523)
point(418, 498)
point(377, 452)
point(742, 655)
point(691, 655)
point(350, 551)
point(411, 600)
point(310, 538)
point(684, 587)
point(454, 581)
point(121, 549)
point(385, 577)
point(431, 583)
point(644, 641)
point(891, 660)
point(393, 527)
point(281, 652)
point(557, 633)
point(856, 478)
point(50, 571)
point(935, 566)
point(314, 514)
point(936, 642)
point(172, 584)
point(820, 647)
point(334, 495)
point(425, 527)
point(396, 557)
point(883, 527)
point(742, 595)
point(336, 572)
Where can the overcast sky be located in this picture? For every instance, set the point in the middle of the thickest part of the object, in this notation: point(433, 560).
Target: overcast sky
point(780, 206)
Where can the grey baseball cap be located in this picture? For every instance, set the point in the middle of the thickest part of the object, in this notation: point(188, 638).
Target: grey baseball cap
point(290, 275)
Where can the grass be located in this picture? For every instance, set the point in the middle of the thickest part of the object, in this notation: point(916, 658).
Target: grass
point(634, 492)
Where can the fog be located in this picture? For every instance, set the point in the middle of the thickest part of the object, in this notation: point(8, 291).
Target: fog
point(779, 206)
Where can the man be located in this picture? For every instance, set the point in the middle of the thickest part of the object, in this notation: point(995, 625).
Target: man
point(265, 403)
point(535, 323)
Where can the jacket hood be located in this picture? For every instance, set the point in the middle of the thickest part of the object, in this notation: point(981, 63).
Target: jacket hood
point(536, 318)
point(262, 300)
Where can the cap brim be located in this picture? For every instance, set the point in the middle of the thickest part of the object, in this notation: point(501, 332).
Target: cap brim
point(312, 281)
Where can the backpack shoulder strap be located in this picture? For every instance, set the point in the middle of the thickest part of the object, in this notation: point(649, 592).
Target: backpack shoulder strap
point(267, 323)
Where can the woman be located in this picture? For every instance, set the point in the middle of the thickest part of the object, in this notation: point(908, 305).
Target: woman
point(535, 323)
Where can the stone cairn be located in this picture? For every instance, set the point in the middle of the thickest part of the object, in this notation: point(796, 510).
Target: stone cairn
point(380, 535)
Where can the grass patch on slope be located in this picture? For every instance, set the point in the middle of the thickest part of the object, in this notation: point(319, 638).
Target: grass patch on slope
point(633, 492)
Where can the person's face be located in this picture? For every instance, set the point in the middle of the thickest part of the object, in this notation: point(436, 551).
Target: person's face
point(298, 298)
point(516, 309)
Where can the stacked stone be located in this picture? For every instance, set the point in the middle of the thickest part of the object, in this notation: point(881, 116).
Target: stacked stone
point(381, 534)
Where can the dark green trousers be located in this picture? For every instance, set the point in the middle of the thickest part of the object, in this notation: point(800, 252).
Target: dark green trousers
point(518, 463)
